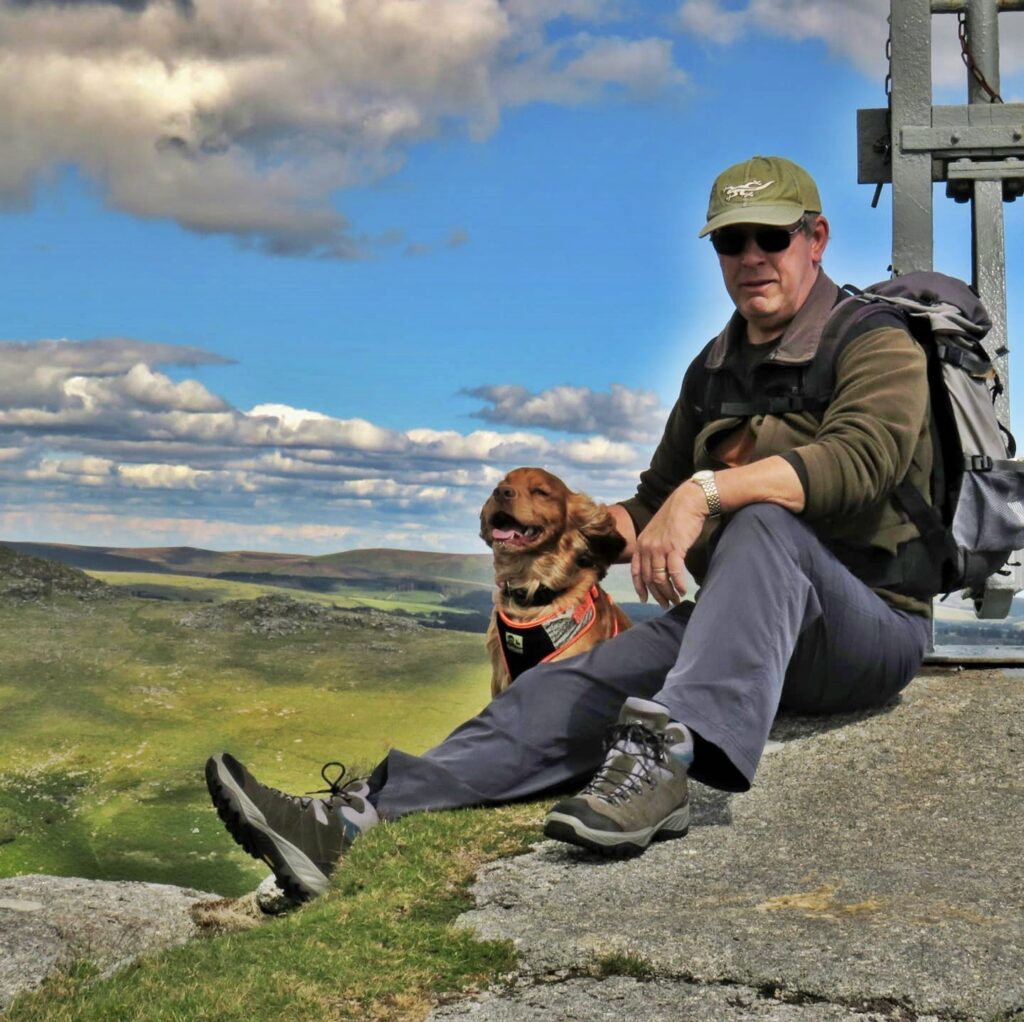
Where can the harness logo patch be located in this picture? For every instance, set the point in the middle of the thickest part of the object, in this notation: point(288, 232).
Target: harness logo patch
point(514, 642)
point(747, 190)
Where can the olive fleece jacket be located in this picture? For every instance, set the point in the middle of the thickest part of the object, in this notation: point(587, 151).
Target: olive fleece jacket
point(874, 433)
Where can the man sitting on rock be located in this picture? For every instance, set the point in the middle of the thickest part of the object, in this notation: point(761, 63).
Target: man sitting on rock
point(813, 593)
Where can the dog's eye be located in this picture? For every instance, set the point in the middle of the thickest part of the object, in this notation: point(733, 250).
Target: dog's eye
point(539, 491)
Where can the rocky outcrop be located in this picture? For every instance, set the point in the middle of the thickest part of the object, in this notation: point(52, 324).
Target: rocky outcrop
point(48, 923)
point(277, 614)
point(873, 871)
point(27, 579)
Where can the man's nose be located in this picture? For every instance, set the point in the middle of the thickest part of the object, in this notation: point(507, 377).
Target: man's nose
point(751, 251)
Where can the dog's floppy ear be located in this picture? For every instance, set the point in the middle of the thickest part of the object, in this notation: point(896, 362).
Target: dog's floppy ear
point(595, 524)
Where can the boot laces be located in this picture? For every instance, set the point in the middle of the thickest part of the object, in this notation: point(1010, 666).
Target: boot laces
point(334, 789)
point(646, 750)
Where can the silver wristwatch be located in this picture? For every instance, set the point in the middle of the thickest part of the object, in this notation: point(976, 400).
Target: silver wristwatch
point(705, 479)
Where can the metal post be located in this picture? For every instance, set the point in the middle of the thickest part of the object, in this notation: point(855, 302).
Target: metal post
point(988, 240)
point(911, 34)
point(988, 250)
point(977, 148)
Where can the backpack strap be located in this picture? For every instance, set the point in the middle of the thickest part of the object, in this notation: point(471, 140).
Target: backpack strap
point(960, 357)
point(795, 400)
point(800, 388)
point(983, 463)
point(927, 521)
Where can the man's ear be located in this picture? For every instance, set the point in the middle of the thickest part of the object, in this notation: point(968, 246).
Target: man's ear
point(819, 240)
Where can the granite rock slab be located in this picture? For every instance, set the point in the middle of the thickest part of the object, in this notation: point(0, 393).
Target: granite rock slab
point(49, 923)
point(877, 861)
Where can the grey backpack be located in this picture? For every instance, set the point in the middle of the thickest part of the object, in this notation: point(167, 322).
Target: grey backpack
point(976, 520)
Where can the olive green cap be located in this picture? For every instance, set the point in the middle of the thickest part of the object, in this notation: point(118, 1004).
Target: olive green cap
point(761, 190)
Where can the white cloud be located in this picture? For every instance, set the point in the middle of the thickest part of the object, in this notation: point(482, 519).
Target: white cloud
point(622, 413)
point(141, 387)
point(580, 68)
point(245, 118)
point(161, 477)
point(599, 451)
point(84, 525)
point(89, 424)
point(35, 374)
point(853, 31)
point(708, 19)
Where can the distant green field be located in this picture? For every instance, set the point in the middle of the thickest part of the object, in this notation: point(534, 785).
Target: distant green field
point(110, 708)
point(214, 590)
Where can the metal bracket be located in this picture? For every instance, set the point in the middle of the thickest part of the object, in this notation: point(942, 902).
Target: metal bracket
point(1009, 169)
point(942, 140)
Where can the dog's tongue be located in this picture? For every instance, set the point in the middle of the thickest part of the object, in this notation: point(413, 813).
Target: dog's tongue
point(503, 535)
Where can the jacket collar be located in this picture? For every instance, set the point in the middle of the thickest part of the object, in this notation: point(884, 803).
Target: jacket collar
point(800, 339)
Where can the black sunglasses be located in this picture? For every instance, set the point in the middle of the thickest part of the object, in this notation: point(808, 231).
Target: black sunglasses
point(731, 241)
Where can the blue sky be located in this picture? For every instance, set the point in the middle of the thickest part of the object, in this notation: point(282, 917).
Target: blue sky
point(313, 276)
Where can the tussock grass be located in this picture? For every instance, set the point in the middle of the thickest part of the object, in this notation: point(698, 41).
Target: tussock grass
point(623, 963)
point(378, 946)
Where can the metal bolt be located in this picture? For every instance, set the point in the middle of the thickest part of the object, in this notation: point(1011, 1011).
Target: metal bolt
point(1017, 136)
point(954, 138)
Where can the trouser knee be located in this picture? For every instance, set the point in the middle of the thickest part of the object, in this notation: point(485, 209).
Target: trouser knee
point(762, 524)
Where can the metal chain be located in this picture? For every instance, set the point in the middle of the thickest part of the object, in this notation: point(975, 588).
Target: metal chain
point(968, 59)
point(888, 61)
point(884, 145)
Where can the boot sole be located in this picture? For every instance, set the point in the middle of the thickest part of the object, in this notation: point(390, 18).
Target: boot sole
point(616, 844)
point(295, 872)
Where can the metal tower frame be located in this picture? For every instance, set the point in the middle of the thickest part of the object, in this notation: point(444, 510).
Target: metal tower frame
point(976, 148)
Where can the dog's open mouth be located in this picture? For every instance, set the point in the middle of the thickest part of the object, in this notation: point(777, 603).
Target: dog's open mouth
point(505, 529)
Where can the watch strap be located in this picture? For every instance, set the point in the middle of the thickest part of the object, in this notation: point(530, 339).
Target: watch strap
point(707, 483)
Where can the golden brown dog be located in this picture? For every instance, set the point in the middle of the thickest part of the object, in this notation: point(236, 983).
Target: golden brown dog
point(551, 549)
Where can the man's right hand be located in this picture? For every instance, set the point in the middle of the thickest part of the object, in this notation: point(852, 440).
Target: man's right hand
point(657, 565)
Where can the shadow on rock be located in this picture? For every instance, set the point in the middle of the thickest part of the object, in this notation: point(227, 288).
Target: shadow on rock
point(790, 725)
point(709, 807)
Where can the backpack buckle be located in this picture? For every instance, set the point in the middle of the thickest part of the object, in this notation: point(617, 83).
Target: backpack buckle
point(978, 463)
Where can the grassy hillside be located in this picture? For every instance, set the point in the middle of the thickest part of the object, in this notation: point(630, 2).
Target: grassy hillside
point(110, 707)
point(352, 565)
point(199, 588)
point(421, 564)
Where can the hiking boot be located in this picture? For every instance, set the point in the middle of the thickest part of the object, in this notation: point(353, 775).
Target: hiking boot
point(299, 837)
point(639, 794)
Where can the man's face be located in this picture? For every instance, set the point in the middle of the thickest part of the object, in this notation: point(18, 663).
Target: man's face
point(768, 288)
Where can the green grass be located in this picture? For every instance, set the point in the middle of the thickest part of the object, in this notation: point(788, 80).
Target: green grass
point(378, 946)
point(110, 709)
point(623, 963)
point(194, 588)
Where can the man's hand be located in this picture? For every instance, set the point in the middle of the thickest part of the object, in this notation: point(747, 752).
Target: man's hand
point(657, 565)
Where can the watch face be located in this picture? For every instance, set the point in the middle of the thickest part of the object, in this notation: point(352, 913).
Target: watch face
point(703, 475)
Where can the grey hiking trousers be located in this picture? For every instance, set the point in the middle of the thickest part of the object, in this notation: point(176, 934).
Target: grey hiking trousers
point(779, 621)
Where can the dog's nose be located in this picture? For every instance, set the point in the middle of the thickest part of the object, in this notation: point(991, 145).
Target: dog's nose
point(505, 492)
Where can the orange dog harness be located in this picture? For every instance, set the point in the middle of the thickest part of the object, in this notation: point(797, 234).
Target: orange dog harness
point(526, 644)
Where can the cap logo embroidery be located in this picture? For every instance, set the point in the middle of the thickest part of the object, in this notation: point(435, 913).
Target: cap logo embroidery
point(747, 190)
